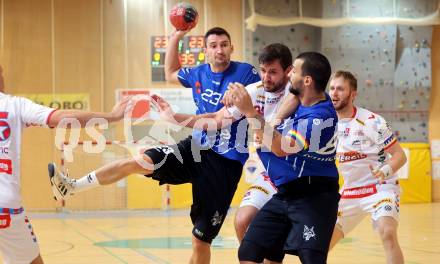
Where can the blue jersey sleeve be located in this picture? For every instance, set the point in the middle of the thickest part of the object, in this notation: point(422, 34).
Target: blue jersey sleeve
point(184, 76)
point(251, 76)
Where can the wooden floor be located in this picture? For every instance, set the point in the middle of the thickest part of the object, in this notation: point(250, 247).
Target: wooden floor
point(164, 237)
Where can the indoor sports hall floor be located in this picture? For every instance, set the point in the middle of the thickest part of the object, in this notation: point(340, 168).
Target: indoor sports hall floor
point(164, 237)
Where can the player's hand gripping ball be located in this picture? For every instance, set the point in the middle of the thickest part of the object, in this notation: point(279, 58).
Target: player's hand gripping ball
point(183, 16)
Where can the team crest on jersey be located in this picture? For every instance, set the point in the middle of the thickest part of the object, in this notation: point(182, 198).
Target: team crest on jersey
point(5, 131)
point(308, 233)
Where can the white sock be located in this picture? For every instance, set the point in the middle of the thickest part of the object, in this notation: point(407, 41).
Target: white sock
point(86, 182)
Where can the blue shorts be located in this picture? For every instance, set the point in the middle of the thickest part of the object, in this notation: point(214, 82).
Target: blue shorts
point(214, 181)
point(301, 215)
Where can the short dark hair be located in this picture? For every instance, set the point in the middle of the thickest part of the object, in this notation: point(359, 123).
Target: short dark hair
point(217, 31)
point(318, 67)
point(348, 76)
point(276, 51)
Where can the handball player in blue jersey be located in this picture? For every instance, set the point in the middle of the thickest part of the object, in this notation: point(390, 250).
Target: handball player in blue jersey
point(299, 156)
point(212, 162)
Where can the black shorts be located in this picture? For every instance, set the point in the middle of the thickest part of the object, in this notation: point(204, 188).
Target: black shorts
point(301, 215)
point(214, 181)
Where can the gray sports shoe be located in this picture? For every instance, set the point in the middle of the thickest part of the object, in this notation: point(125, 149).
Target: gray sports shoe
point(62, 185)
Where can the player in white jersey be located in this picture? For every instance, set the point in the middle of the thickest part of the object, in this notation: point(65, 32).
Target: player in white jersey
point(267, 96)
point(369, 155)
point(266, 102)
point(18, 243)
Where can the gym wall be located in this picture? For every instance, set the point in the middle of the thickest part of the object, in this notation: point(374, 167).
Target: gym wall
point(96, 47)
point(93, 47)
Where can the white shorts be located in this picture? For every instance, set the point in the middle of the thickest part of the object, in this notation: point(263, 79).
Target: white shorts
point(380, 200)
point(18, 244)
point(260, 192)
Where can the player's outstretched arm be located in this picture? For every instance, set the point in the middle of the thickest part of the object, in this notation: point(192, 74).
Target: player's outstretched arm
point(83, 117)
point(172, 63)
point(208, 121)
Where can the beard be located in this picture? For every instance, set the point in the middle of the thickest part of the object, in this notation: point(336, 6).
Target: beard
point(274, 87)
point(342, 104)
point(296, 87)
point(294, 91)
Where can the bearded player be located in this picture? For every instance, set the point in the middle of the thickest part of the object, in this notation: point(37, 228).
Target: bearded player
point(369, 157)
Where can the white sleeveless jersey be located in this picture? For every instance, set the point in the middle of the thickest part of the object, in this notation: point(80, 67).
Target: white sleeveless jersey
point(16, 113)
point(265, 103)
point(362, 141)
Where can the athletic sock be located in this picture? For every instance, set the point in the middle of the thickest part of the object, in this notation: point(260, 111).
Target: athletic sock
point(85, 183)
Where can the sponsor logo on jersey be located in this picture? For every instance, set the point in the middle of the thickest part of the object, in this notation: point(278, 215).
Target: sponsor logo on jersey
point(6, 166)
point(273, 100)
point(359, 192)
point(4, 150)
point(316, 121)
point(351, 156)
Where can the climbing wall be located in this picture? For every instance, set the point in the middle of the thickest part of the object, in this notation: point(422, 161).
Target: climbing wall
point(392, 62)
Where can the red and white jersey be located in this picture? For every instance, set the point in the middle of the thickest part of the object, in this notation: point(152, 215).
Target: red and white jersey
point(362, 141)
point(266, 103)
point(16, 113)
